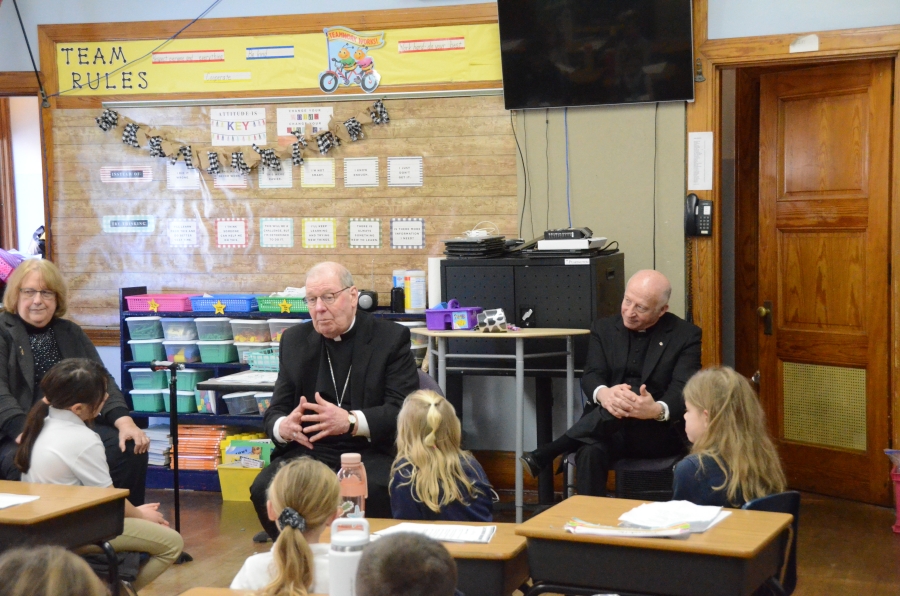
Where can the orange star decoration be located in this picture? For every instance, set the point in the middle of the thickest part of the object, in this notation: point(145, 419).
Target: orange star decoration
point(153, 305)
point(285, 306)
point(220, 308)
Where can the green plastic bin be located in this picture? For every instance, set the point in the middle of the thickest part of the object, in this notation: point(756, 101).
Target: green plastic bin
point(148, 400)
point(217, 352)
point(187, 404)
point(147, 378)
point(187, 379)
point(145, 350)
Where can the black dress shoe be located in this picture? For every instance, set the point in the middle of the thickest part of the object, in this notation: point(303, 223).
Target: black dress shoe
point(261, 537)
point(530, 463)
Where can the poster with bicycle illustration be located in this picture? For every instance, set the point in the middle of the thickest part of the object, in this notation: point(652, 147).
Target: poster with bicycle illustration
point(349, 59)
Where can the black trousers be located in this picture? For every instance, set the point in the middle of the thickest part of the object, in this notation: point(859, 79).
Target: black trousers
point(378, 475)
point(606, 439)
point(127, 469)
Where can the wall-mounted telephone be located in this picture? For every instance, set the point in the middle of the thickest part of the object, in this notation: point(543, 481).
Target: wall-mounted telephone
point(697, 216)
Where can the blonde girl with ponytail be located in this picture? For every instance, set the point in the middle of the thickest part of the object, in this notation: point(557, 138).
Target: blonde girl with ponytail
point(432, 478)
point(303, 500)
point(733, 459)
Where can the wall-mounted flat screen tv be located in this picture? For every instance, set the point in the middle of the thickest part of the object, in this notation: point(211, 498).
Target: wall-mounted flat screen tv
point(558, 53)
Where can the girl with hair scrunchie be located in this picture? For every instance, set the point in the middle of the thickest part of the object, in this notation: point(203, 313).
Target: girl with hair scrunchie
point(304, 499)
point(432, 477)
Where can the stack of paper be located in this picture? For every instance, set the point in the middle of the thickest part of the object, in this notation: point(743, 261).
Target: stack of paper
point(445, 532)
point(673, 513)
point(578, 526)
point(160, 444)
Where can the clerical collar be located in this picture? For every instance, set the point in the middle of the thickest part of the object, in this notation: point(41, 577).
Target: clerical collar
point(346, 334)
point(648, 330)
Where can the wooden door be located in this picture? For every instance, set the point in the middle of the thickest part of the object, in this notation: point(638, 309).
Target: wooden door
point(823, 264)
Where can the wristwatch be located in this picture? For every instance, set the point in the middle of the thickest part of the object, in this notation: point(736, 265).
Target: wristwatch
point(351, 418)
point(663, 412)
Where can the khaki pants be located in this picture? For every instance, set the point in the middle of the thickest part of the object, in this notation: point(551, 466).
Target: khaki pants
point(141, 536)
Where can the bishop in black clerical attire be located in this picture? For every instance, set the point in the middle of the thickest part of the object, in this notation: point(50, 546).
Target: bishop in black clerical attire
point(340, 386)
point(636, 368)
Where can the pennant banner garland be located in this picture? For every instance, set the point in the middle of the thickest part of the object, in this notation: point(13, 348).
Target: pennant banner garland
point(212, 160)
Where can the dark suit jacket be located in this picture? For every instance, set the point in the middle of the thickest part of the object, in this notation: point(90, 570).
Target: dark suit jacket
point(384, 373)
point(673, 357)
point(17, 389)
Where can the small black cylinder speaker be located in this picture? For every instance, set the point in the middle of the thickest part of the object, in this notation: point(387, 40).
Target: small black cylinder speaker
point(368, 300)
point(398, 300)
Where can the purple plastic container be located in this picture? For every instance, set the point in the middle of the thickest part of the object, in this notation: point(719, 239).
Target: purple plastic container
point(452, 317)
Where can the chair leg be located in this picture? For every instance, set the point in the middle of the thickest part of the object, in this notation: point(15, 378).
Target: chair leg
point(113, 562)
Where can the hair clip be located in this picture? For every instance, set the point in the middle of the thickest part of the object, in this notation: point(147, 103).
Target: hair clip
point(290, 517)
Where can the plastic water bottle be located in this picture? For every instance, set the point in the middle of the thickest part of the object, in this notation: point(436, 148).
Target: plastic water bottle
point(348, 538)
point(354, 488)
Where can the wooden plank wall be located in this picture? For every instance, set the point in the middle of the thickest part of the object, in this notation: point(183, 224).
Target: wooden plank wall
point(469, 176)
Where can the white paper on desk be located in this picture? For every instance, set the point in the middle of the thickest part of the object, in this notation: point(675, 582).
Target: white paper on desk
point(671, 513)
point(9, 500)
point(597, 530)
point(445, 532)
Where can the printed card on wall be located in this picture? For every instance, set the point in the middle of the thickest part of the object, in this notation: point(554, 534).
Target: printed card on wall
point(181, 177)
point(319, 232)
point(231, 232)
point(129, 224)
point(111, 174)
point(407, 232)
point(365, 232)
point(306, 120)
point(283, 179)
point(183, 232)
point(405, 171)
point(230, 180)
point(237, 126)
point(360, 171)
point(317, 172)
point(276, 232)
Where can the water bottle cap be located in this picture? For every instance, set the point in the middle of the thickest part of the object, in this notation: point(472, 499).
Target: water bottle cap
point(349, 540)
point(350, 458)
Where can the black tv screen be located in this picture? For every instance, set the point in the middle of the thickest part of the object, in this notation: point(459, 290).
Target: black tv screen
point(558, 53)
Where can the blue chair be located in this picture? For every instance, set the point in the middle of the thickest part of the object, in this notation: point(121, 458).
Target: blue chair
point(787, 502)
point(427, 382)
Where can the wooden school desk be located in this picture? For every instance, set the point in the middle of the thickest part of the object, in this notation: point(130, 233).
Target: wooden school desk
point(68, 516)
point(519, 336)
point(731, 559)
point(494, 569)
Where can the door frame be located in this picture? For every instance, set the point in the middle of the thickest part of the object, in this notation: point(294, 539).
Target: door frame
point(704, 114)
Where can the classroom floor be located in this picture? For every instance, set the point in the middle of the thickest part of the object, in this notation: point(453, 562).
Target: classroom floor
point(845, 548)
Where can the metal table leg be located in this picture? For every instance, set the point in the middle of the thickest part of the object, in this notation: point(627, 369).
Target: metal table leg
point(570, 395)
point(520, 423)
point(442, 363)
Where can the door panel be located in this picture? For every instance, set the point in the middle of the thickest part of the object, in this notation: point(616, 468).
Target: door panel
point(823, 262)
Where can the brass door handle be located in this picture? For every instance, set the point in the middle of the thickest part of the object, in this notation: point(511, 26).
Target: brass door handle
point(765, 313)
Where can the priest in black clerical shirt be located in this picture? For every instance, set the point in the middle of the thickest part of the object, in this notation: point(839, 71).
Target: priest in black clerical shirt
point(636, 368)
point(340, 386)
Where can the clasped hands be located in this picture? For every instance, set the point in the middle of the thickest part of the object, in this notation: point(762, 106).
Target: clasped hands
point(329, 419)
point(622, 402)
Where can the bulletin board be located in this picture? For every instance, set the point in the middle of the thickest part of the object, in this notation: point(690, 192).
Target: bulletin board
point(119, 217)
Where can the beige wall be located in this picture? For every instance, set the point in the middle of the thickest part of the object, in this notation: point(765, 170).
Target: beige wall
point(611, 171)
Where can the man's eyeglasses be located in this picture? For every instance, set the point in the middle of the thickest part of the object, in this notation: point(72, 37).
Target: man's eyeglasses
point(30, 292)
point(327, 299)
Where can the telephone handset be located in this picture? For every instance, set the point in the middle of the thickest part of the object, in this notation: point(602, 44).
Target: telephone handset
point(697, 216)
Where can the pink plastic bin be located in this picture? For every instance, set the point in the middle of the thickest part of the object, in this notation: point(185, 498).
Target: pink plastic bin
point(452, 317)
point(166, 302)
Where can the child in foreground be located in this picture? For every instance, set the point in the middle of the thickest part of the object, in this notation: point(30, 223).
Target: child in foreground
point(47, 571)
point(432, 478)
point(58, 448)
point(733, 459)
point(304, 499)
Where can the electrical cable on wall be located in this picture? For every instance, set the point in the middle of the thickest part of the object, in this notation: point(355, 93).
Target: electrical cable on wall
point(525, 185)
point(530, 195)
point(568, 181)
point(547, 157)
point(655, 152)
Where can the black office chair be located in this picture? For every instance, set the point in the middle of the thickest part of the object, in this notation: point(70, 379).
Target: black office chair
point(787, 502)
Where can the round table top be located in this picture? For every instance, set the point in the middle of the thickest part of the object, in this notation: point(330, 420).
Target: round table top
point(521, 333)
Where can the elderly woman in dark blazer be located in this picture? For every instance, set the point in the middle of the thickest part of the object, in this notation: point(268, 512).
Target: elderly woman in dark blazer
point(34, 337)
